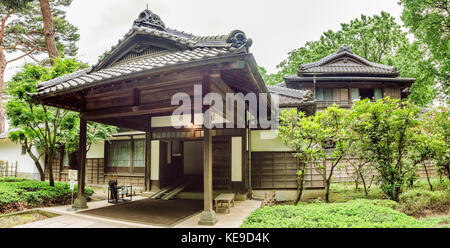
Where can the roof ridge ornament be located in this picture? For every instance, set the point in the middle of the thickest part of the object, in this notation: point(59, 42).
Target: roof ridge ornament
point(238, 39)
point(344, 48)
point(149, 19)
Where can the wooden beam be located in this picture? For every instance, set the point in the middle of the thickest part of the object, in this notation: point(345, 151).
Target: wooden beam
point(162, 107)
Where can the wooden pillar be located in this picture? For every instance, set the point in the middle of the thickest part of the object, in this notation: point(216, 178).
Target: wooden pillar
point(208, 216)
point(148, 161)
point(80, 202)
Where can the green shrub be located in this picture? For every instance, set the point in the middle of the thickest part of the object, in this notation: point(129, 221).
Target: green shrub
point(417, 201)
point(11, 179)
point(29, 193)
point(377, 202)
point(334, 215)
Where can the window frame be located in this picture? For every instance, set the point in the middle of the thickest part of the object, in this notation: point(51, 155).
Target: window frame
point(131, 168)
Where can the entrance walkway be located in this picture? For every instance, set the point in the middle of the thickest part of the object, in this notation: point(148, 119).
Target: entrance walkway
point(69, 219)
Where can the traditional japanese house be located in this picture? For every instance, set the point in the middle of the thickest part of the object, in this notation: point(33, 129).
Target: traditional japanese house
point(132, 87)
point(343, 77)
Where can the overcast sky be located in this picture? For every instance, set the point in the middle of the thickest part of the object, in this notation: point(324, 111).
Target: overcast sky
point(276, 26)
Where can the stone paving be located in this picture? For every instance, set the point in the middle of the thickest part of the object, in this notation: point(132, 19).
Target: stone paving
point(70, 219)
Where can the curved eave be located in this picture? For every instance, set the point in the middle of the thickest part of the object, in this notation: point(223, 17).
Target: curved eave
point(204, 62)
point(349, 79)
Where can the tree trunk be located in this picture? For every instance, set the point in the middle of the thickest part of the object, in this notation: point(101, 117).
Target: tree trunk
point(49, 31)
point(2, 73)
point(49, 165)
point(36, 161)
point(300, 186)
point(428, 177)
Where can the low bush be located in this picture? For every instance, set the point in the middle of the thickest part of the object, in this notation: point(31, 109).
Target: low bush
point(377, 202)
point(416, 201)
point(17, 194)
point(358, 214)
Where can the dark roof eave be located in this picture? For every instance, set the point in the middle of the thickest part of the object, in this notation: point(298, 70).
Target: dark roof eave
point(352, 78)
point(226, 58)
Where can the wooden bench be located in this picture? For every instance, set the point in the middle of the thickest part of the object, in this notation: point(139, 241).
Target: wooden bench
point(225, 200)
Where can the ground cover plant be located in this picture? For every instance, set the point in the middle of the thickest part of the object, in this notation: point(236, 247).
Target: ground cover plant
point(356, 214)
point(18, 194)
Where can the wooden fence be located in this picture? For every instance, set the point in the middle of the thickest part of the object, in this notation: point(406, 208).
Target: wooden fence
point(8, 169)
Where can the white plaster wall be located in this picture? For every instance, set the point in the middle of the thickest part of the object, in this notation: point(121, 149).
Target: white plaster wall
point(97, 150)
point(154, 167)
point(193, 157)
point(236, 159)
point(10, 151)
point(267, 141)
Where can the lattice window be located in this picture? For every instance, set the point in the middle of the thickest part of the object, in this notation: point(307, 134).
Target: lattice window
point(119, 153)
point(139, 153)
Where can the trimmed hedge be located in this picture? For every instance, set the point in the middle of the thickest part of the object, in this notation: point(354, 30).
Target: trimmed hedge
point(17, 194)
point(357, 214)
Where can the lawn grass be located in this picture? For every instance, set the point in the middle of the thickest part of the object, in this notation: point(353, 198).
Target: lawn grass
point(17, 194)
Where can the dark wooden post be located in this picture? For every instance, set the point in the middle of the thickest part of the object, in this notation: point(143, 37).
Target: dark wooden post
point(148, 161)
point(80, 202)
point(208, 216)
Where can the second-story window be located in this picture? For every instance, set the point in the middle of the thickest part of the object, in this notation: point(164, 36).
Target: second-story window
point(332, 94)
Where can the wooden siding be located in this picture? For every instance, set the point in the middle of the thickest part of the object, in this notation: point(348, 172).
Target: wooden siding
point(221, 155)
point(274, 170)
point(392, 92)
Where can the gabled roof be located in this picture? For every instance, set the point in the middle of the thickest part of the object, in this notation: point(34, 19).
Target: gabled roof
point(149, 45)
point(345, 62)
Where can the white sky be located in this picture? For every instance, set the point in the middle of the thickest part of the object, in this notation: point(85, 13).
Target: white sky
point(276, 27)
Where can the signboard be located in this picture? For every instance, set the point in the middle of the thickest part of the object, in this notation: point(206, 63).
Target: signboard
point(73, 175)
point(72, 184)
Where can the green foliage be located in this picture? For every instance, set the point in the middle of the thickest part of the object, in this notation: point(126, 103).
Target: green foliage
point(417, 201)
point(317, 138)
point(25, 33)
point(332, 215)
point(377, 202)
point(387, 128)
point(378, 38)
point(42, 126)
point(436, 125)
point(34, 193)
point(430, 23)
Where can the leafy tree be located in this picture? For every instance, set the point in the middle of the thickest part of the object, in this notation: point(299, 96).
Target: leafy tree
point(316, 139)
point(362, 167)
point(374, 38)
point(437, 125)
point(22, 34)
point(41, 126)
point(298, 132)
point(430, 23)
point(387, 128)
point(411, 61)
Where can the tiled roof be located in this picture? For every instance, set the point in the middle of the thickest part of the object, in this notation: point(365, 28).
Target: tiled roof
point(289, 96)
point(87, 76)
point(190, 48)
point(362, 65)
